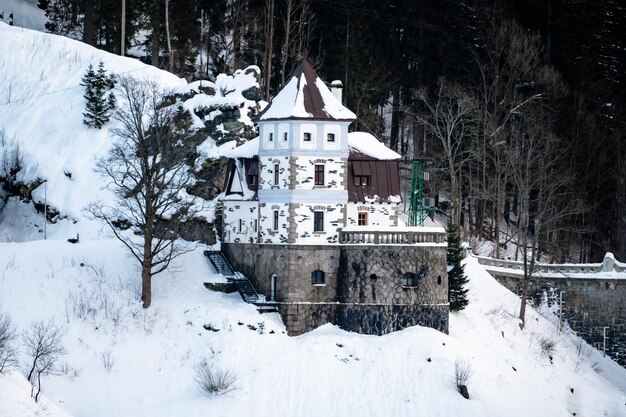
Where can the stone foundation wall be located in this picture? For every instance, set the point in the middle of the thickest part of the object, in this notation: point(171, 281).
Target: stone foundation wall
point(292, 265)
point(374, 274)
point(364, 290)
point(588, 306)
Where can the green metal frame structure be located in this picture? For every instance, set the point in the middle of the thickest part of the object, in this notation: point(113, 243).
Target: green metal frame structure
point(417, 211)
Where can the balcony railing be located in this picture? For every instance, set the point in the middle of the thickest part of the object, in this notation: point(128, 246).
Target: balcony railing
point(388, 236)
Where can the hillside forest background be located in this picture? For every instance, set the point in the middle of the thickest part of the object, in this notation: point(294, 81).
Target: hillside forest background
point(517, 106)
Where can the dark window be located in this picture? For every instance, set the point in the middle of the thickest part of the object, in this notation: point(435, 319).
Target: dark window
point(439, 279)
point(286, 136)
point(318, 221)
point(373, 278)
point(318, 277)
point(307, 137)
point(319, 174)
point(271, 137)
point(275, 219)
point(330, 137)
point(276, 173)
point(361, 180)
point(240, 225)
point(409, 279)
point(362, 218)
point(256, 225)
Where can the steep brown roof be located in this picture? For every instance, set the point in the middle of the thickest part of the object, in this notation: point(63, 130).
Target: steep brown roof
point(383, 177)
point(305, 94)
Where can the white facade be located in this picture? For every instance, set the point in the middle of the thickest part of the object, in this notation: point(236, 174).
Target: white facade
point(302, 194)
point(372, 214)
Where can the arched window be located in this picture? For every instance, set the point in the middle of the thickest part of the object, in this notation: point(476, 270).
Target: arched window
point(439, 279)
point(318, 277)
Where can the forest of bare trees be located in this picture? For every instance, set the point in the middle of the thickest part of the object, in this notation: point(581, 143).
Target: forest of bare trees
point(518, 104)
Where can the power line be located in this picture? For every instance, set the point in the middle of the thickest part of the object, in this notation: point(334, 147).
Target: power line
point(48, 93)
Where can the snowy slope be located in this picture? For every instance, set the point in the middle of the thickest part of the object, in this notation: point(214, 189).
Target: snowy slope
point(91, 290)
point(41, 106)
point(26, 14)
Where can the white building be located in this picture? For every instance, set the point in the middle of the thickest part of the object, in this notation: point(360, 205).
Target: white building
point(310, 178)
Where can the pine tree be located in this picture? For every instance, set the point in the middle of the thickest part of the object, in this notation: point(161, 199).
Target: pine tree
point(457, 293)
point(100, 100)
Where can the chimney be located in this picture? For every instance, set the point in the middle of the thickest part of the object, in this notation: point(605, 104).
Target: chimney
point(336, 87)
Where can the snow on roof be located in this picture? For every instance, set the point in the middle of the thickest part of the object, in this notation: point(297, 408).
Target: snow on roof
point(305, 96)
point(247, 150)
point(367, 144)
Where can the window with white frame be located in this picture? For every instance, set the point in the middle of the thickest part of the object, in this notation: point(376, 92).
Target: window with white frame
point(307, 136)
point(318, 277)
point(318, 221)
point(330, 137)
point(275, 220)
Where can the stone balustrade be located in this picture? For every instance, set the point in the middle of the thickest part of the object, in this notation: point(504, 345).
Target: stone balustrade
point(609, 264)
point(391, 237)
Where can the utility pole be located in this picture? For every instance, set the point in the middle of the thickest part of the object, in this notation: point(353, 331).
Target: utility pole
point(561, 310)
point(45, 208)
point(123, 47)
point(604, 340)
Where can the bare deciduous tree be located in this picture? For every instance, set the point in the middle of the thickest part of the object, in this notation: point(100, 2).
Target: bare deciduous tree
point(450, 117)
point(44, 347)
point(298, 25)
point(147, 172)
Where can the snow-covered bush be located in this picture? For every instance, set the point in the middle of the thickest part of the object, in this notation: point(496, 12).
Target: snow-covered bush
point(8, 354)
point(462, 374)
point(213, 380)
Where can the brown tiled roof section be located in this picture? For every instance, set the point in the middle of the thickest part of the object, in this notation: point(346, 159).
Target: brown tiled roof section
point(384, 179)
point(312, 98)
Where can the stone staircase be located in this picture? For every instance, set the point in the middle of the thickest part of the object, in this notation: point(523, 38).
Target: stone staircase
point(242, 284)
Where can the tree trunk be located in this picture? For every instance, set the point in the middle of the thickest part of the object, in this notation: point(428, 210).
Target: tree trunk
point(90, 30)
point(146, 283)
point(395, 119)
point(269, 47)
point(170, 61)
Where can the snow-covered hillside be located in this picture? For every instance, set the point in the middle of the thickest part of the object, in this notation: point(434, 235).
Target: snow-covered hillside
point(90, 289)
point(123, 360)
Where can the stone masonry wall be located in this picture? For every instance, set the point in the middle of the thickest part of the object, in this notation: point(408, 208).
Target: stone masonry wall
point(588, 306)
point(350, 297)
point(373, 274)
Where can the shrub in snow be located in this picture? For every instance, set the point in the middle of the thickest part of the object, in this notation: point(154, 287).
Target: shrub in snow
point(462, 374)
point(100, 98)
point(214, 381)
point(8, 354)
point(548, 346)
point(43, 347)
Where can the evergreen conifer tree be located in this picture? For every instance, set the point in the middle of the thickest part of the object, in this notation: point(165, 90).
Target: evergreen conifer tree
point(100, 100)
point(457, 293)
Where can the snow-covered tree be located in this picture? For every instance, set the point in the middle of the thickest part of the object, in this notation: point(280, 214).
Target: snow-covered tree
point(457, 293)
point(100, 99)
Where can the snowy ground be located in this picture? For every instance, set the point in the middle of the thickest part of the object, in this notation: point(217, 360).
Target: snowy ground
point(91, 290)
